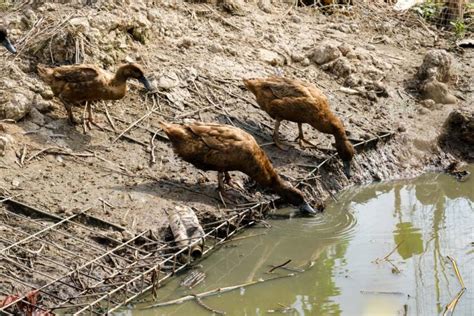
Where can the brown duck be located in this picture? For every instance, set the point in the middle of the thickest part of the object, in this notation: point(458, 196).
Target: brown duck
point(5, 41)
point(224, 148)
point(301, 102)
point(76, 84)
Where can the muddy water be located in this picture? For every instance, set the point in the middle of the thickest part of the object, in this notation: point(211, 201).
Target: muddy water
point(429, 218)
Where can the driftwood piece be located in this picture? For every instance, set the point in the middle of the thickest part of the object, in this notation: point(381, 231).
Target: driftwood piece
point(186, 230)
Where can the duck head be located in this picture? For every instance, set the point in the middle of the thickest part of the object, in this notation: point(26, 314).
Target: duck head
point(134, 71)
point(346, 153)
point(5, 41)
point(294, 196)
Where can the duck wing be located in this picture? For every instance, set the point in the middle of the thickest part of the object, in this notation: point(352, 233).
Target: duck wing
point(285, 88)
point(218, 137)
point(76, 74)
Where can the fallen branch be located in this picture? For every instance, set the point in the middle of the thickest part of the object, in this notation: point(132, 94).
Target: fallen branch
point(58, 151)
point(449, 309)
point(279, 266)
point(216, 291)
point(201, 303)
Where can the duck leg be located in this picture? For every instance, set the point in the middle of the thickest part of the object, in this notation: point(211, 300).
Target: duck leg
point(222, 179)
point(301, 140)
point(275, 136)
point(68, 106)
point(229, 182)
point(220, 182)
point(90, 117)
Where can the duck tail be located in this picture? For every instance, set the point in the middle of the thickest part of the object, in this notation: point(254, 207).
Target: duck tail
point(163, 124)
point(250, 84)
point(44, 72)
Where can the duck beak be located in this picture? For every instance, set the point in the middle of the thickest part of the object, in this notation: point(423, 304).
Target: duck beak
point(305, 208)
point(146, 83)
point(347, 168)
point(8, 45)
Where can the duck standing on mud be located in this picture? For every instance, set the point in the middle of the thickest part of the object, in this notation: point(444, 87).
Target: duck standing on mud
point(5, 41)
point(76, 84)
point(224, 148)
point(301, 102)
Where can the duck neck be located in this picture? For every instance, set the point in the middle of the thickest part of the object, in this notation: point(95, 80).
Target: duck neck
point(120, 78)
point(287, 192)
point(343, 146)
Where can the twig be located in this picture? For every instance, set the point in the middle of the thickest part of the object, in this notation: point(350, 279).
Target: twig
point(152, 148)
point(458, 274)
point(9, 198)
point(39, 153)
point(111, 122)
point(23, 155)
point(382, 292)
point(225, 21)
point(134, 123)
point(58, 151)
point(279, 266)
point(242, 237)
point(449, 309)
point(391, 252)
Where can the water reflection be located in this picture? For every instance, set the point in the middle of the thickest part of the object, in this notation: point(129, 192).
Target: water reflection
point(430, 217)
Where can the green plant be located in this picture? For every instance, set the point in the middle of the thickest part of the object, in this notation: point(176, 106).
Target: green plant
point(459, 27)
point(428, 9)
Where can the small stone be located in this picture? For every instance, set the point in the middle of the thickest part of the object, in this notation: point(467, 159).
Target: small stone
point(371, 96)
point(401, 129)
point(271, 38)
point(436, 63)
point(168, 81)
point(296, 19)
point(16, 108)
point(216, 48)
point(186, 43)
point(428, 103)
point(437, 91)
point(422, 111)
point(342, 67)
point(5, 141)
point(36, 117)
point(271, 57)
point(265, 5)
point(43, 106)
point(81, 24)
point(324, 53)
point(16, 182)
point(370, 47)
point(344, 48)
point(127, 235)
point(153, 15)
point(297, 57)
point(305, 62)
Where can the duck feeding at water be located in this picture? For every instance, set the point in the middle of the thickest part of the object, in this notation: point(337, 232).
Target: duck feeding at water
point(224, 148)
point(76, 84)
point(5, 41)
point(301, 102)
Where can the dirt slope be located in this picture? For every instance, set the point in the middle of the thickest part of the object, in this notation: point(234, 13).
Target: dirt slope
point(197, 55)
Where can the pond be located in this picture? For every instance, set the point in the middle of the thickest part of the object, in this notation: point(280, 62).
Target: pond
point(341, 252)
